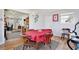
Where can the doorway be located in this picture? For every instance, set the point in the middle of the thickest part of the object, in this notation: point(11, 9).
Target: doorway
point(15, 21)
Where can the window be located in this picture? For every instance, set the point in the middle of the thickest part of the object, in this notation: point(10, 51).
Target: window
point(66, 17)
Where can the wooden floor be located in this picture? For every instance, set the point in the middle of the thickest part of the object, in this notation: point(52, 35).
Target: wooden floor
point(13, 43)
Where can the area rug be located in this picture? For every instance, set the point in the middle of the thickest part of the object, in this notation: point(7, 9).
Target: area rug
point(54, 45)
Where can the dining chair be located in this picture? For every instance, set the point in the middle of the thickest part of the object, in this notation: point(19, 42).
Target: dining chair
point(48, 39)
point(65, 33)
point(25, 38)
point(27, 42)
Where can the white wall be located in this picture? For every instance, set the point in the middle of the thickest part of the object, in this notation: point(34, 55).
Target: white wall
point(32, 25)
point(39, 24)
point(45, 20)
point(57, 26)
point(2, 40)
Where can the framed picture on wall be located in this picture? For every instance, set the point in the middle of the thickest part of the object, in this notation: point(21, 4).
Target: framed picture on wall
point(55, 17)
point(36, 18)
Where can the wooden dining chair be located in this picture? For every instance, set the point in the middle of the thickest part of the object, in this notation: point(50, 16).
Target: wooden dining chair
point(48, 39)
point(24, 38)
point(66, 32)
point(27, 40)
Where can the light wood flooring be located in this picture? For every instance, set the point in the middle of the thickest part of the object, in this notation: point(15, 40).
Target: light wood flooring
point(13, 43)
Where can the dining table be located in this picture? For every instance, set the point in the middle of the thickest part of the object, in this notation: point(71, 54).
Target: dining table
point(37, 35)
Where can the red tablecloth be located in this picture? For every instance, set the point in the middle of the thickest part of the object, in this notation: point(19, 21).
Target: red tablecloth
point(32, 34)
point(38, 36)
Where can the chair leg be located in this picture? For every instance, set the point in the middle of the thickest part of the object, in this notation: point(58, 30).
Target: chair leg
point(48, 42)
point(27, 46)
point(48, 45)
point(36, 46)
point(23, 47)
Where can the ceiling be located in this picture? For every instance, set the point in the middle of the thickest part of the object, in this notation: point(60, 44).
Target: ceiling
point(47, 11)
point(13, 13)
point(21, 12)
point(35, 10)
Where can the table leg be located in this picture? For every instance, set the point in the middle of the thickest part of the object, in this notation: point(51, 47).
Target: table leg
point(48, 45)
point(36, 45)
